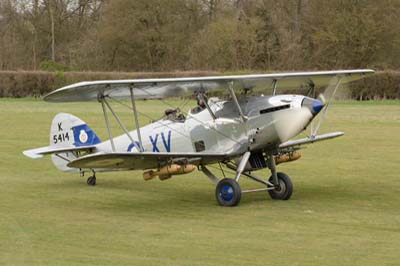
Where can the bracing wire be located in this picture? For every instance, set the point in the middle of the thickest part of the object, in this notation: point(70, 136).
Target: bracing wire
point(149, 117)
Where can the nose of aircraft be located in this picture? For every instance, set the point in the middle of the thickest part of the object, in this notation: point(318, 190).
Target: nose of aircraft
point(314, 105)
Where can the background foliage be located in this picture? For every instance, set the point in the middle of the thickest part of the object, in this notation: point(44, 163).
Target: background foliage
point(67, 38)
point(165, 35)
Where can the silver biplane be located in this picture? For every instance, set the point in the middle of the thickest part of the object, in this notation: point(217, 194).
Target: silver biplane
point(245, 132)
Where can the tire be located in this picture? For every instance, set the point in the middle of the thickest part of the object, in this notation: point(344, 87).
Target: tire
point(91, 181)
point(286, 188)
point(228, 192)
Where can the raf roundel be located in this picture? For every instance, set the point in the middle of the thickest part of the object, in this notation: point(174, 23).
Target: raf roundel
point(83, 137)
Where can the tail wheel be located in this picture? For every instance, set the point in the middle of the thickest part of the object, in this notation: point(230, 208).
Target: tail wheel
point(284, 190)
point(228, 192)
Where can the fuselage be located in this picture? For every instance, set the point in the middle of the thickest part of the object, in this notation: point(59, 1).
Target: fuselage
point(270, 120)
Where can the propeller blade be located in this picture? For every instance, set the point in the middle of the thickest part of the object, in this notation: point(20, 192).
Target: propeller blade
point(326, 98)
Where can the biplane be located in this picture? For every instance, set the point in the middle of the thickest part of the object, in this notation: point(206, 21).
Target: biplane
point(246, 131)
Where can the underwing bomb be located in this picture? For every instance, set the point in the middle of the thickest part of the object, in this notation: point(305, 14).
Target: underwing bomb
point(167, 171)
point(287, 157)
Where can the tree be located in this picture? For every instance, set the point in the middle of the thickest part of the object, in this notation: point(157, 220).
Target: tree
point(157, 35)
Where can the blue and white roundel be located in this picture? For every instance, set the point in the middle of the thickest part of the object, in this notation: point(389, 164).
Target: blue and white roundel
point(84, 135)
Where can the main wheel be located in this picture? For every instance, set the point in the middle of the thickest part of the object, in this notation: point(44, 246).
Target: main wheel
point(228, 192)
point(285, 189)
point(91, 181)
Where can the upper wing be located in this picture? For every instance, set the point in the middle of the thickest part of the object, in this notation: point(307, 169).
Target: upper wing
point(144, 160)
point(173, 87)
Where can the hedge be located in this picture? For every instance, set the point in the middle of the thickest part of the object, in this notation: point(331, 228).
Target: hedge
point(19, 84)
point(382, 85)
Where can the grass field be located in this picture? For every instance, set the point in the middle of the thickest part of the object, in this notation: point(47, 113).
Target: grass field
point(345, 209)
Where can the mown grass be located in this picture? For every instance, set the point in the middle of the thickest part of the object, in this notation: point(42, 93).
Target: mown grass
point(344, 211)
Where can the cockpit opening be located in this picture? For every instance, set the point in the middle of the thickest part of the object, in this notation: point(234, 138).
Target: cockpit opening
point(174, 115)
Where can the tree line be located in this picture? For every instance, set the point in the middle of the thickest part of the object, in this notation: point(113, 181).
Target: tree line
point(221, 35)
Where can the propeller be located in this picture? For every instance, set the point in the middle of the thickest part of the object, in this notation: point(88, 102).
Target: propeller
point(329, 91)
point(325, 97)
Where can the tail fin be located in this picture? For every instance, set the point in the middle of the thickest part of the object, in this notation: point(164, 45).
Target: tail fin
point(68, 133)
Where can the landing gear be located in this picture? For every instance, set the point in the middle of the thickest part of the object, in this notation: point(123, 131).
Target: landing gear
point(284, 190)
point(281, 186)
point(228, 192)
point(91, 181)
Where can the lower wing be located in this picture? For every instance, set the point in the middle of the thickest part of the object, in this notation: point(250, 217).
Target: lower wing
point(145, 160)
point(309, 140)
